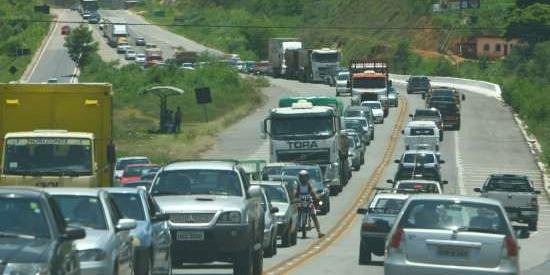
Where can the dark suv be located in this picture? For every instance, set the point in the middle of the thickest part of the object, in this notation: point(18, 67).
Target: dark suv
point(418, 84)
point(215, 214)
point(34, 238)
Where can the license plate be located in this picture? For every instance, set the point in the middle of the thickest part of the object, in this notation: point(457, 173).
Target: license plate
point(452, 251)
point(190, 236)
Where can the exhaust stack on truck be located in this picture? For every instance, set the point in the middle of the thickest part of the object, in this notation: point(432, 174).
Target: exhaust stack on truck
point(56, 135)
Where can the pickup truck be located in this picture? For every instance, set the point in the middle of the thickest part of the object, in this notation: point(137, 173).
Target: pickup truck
point(517, 195)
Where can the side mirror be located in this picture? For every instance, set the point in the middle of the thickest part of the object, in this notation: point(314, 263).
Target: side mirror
point(463, 97)
point(126, 224)
point(397, 161)
point(522, 232)
point(477, 189)
point(411, 115)
point(362, 211)
point(111, 153)
point(74, 233)
point(441, 161)
point(160, 217)
point(255, 191)
point(389, 181)
point(274, 209)
point(444, 182)
point(537, 192)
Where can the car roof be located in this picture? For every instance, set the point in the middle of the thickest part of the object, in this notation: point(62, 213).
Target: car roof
point(122, 190)
point(303, 166)
point(391, 196)
point(22, 191)
point(421, 123)
point(418, 152)
point(74, 191)
point(508, 176)
point(268, 182)
point(131, 158)
point(143, 165)
point(417, 181)
point(460, 198)
point(201, 165)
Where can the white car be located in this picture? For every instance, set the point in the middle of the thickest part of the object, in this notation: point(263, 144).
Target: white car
point(121, 49)
point(121, 164)
point(418, 186)
point(130, 54)
point(377, 110)
point(412, 158)
point(140, 58)
point(422, 135)
point(342, 81)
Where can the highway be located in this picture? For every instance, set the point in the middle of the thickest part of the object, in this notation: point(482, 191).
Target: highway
point(489, 142)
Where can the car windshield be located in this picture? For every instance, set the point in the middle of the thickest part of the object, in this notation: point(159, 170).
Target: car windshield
point(275, 193)
point(419, 80)
point(406, 173)
point(84, 211)
point(369, 82)
point(353, 125)
point(374, 105)
point(314, 173)
point(51, 156)
point(271, 170)
point(511, 184)
point(22, 217)
point(422, 131)
point(197, 182)
point(129, 205)
point(343, 77)
point(454, 215)
point(388, 206)
point(417, 187)
point(138, 171)
point(121, 165)
point(354, 113)
point(426, 113)
point(418, 158)
point(300, 125)
point(325, 57)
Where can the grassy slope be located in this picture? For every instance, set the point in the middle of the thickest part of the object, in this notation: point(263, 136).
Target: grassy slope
point(136, 114)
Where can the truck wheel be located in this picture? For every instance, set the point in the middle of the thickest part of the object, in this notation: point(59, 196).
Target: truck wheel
point(532, 225)
point(286, 238)
point(365, 256)
point(271, 249)
point(244, 263)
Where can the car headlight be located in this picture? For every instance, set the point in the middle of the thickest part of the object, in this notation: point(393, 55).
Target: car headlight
point(27, 268)
point(91, 255)
point(230, 217)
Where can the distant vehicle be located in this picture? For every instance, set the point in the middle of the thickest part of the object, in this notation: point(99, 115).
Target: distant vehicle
point(425, 158)
point(312, 65)
point(140, 41)
point(287, 216)
point(188, 66)
point(94, 18)
point(353, 135)
point(140, 59)
point(150, 46)
point(442, 91)
point(116, 32)
point(517, 195)
point(370, 82)
point(361, 111)
point(153, 56)
point(262, 68)
point(431, 114)
point(418, 84)
point(65, 30)
point(107, 248)
point(130, 54)
point(121, 49)
point(422, 135)
point(208, 201)
point(440, 234)
point(319, 183)
point(52, 80)
point(121, 164)
point(450, 112)
point(393, 97)
point(134, 172)
point(417, 186)
point(418, 173)
point(34, 237)
point(151, 237)
point(377, 110)
point(377, 222)
point(270, 226)
point(354, 154)
point(363, 129)
point(342, 83)
point(276, 53)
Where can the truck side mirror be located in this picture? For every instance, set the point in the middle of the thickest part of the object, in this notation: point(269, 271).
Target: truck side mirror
point(477, 189)
point(397, 161)
point(262, 130)
point(389, 181)
point(463, 97)
point(111, 153)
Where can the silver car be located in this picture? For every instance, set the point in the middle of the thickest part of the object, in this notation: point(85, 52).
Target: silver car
point(151, 237)
point(354, 154)
point(107, 248)
point(439, 234)
point(270, 226)
point(426, 158)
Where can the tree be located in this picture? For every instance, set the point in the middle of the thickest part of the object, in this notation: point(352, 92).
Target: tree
point(81, 45)
point(530, 24)
point(401, 57)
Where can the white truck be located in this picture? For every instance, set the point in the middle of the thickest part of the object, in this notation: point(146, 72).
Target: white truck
point(313, 65)
point(304, 133)
point(422, 135)
point(115, 31)
point(276, 53)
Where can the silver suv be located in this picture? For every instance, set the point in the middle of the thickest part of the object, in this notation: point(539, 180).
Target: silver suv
point(215, 214)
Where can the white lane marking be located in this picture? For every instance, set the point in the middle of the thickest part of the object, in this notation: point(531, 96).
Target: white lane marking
point(459, 166)
point(43, 50)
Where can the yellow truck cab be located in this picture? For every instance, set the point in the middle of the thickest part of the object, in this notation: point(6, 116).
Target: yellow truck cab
point(56, 135)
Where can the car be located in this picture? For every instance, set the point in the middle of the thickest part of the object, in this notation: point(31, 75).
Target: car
point(140, 59)
point(413, 158)
point(418, 84)
point(270, 226)
point(187, 66)
point(354, 154)
point(342, 83)
point(107, 248)
point(122, 48)
point(517, 195)
point(362, 111)
point(357, 124)
point(34, 238)
point(417, 186)
point(422, 135)
point(431, 114)
point(450, 112)
point(273, 169)
point(121, 164)
point(377, 110)
point(65, 30)
point(135, 172)
point(130, 54)
point(151, 237)
point(140, 41)
point(449, 234)
point(287, 216)
point(289, 181)
point(319, 183)
point(378, 218)
point(352, 134)
point(445, 92)
point(94, 18)
point(393, 97)
point(418, 173)
point(215, 213)
point(150, 46)
point(365, 125)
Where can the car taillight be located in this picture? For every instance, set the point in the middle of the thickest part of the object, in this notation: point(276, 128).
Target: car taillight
point(396, 238)
point(368, 227)
point(511, 246)
point(534, 202)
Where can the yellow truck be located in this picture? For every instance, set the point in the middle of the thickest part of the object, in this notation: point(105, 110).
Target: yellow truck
point(56, 135)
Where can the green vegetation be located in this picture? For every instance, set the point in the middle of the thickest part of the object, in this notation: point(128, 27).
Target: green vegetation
point(136, 115)
point(80, 45)
point(18, 34)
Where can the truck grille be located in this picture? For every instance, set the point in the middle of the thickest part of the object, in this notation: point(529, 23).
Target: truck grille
point(320, 157)
point(192, 217)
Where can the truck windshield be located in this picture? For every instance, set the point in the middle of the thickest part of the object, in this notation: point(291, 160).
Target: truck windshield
point(50, 156)
point(197, 182)
point(325, 57)
point(302, 126)
point(369, 82)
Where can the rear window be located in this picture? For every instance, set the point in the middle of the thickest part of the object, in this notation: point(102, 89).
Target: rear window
point(512, 184)
point(413, 187)
point(353, 113)
point(424, 113)
point(388, 206)
point(454, 215)
point(121, 165)
point(422, 131)
point(418, 158)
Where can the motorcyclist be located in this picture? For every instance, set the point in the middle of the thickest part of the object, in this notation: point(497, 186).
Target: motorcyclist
point(305, 187)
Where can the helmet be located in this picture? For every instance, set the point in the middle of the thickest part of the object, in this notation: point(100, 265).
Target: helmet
point(303, 175)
